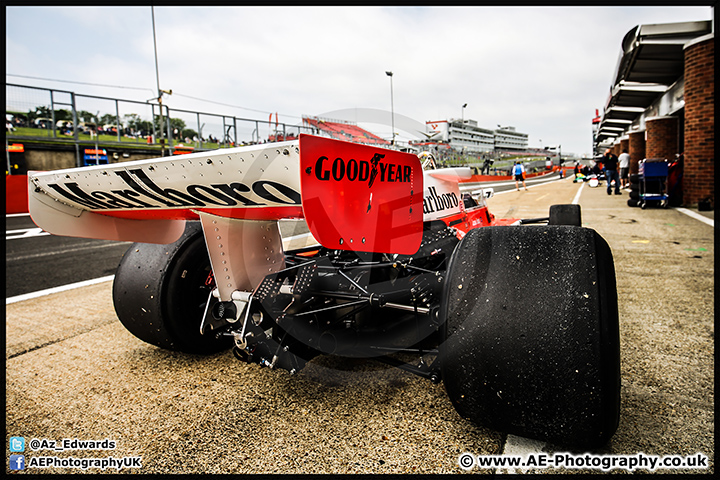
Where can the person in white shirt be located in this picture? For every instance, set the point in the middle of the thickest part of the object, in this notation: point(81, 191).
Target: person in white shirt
point(624, 164)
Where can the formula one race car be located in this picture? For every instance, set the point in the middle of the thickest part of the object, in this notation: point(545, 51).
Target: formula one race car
point(291, 250)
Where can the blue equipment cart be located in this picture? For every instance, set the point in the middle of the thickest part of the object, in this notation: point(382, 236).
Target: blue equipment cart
point(653, 181)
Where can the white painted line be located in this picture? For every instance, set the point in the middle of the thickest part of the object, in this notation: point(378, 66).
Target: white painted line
point(477, 186)
point(62, 288)
point(697, 216)
point(520, 446)
point(577, 195)
point(465, 186)
point(79, 248)
point(24, 233)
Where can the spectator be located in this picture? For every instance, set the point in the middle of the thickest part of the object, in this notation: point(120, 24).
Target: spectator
point(610, 161)
point(624, 160)
point(519, 173)
point(486, 167)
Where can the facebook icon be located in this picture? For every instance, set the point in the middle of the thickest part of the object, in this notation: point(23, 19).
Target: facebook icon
point(17, 462)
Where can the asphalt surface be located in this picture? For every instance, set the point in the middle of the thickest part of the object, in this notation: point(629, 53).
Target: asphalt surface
point(35, 260)
point(73, 372)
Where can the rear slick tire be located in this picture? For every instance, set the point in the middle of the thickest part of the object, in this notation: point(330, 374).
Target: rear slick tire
point(532, 341)
point(160, 293)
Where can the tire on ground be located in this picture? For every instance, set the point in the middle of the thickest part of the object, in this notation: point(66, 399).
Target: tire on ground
point(532, 342)
point(160, 292)
point(565, 215)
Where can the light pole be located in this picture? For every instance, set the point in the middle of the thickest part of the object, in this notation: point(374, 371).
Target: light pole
point(392, 108)
point(97, 134)
point(560, 155)
point(160, 92)
point(461, 134)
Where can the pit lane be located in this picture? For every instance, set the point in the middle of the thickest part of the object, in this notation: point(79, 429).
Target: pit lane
point(73, 371)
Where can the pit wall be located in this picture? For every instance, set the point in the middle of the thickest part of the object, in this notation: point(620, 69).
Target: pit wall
point(16, 195)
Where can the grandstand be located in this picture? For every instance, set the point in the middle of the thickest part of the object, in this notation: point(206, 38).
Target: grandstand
point(342, 130)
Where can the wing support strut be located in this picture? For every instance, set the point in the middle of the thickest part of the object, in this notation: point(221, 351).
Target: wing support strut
point(242, 253)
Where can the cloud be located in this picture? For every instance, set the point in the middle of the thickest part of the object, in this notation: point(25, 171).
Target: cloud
point(543, 70)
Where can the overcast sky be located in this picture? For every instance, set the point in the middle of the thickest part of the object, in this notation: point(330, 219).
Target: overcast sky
point(542, 70)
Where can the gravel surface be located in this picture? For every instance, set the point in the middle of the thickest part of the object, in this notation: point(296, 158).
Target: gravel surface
point(73, 371)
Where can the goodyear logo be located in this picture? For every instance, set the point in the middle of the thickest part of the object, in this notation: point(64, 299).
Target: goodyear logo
point(361, 170)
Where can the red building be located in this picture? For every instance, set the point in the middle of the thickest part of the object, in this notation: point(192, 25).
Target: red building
point(661, 104)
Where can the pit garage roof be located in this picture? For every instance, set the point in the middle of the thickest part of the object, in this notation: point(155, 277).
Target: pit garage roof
point(651, 60)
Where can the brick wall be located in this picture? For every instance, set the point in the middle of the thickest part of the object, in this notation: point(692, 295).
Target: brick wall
point(662, 138)
point(699, 166)
point(624, 145)
point(636, 149)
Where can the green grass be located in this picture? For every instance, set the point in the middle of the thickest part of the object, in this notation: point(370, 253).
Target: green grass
point(39, 134)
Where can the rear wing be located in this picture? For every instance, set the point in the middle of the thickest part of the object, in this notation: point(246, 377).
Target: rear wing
point(361, 198)
point(353, 197)
point(149, 200)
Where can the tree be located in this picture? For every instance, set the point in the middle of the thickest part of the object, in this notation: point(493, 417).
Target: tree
point(39, 112)
point(63, 114)
point(189, 133)
point(175, 123)
point(136, 125)
point(85, 116)
point(108, 119)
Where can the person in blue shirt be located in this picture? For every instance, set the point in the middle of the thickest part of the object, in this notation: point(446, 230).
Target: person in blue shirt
point(519, 173)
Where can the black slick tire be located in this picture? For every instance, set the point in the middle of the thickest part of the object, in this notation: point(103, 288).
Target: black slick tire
point(160, 292)
point(532, 341)
point(565, 215)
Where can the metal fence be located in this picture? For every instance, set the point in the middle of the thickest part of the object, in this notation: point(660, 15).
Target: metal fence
point(67, 117)
point(36, 112)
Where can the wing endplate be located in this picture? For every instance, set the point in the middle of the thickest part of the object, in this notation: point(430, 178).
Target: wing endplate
point(361, 198)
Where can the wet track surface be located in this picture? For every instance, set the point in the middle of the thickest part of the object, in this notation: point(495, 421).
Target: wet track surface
point(73, 371)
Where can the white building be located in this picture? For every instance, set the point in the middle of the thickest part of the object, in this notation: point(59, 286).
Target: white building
point(506, 138)
point(466, 136)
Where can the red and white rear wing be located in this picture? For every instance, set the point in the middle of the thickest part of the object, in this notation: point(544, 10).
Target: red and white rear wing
point(353, 197)
point(361, 198)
